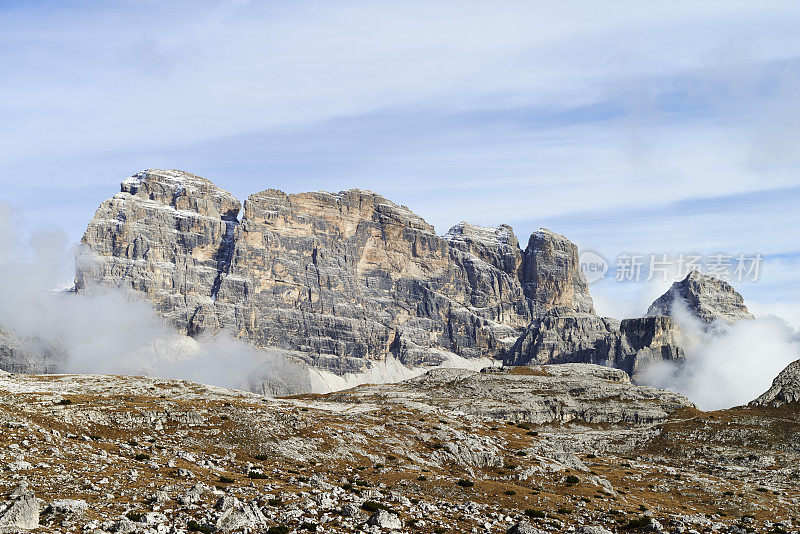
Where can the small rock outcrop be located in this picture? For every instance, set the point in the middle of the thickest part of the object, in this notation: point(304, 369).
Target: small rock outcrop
point(385, 519)
point(785, 388)
point(706, 297)
point(539, 394)
point(562, 336)
point(337, 279)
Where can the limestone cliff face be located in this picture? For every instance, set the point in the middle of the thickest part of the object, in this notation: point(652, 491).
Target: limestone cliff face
point(552, 275)
point(338, 279)
point(166, 234)
point(563, 336)
point(707, 298)
point(785, 388)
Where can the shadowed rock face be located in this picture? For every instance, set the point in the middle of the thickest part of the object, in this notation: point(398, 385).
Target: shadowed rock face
point(552, 275)
point(339, 279)
point(785, 388)
point(563, 336)
point(706, 297)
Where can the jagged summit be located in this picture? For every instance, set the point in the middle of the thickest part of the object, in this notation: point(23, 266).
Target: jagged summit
point(464, 231)
point(343, 280)
point(181, 190)
point(785, 388)
point(706, 297)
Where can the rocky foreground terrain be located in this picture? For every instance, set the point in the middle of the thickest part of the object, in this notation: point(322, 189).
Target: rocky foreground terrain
point(561, 438)
point(558, 448)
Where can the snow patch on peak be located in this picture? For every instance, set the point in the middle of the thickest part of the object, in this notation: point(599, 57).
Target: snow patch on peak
point(463, 231)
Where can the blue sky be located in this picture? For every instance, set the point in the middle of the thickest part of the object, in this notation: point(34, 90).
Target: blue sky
point(627, 126)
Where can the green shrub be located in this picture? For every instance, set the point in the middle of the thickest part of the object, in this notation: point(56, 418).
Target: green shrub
point(280, 529)
point(464, 483)
point(226, 480)
point(372, 506)
point(565, 511)
point(311, 527)
point(572, 479)
point(257, 475)
point(535, 514)
point(261, 457)
point(194, 526)
point(274, 502)
point(142, 457)
point(64, 402)
point(510, 492)
point(134, 516)
point(639, 522)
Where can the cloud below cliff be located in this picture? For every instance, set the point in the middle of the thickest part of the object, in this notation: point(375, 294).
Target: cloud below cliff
point(727, 365)
point(113, 332)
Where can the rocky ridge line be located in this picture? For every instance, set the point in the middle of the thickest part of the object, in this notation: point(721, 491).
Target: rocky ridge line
point(338, 280)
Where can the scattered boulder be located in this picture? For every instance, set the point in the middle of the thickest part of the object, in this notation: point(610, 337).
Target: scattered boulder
point(69, 506)
point(124, 526)
point(22, 514)
point(160, 497)
point(352, 510)
point(195, 494)
point(238, 516)
point(385, 519)
point(524, 527)
point(227, 502)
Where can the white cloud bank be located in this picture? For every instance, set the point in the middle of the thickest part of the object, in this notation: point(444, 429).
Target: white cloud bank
point(727, 365)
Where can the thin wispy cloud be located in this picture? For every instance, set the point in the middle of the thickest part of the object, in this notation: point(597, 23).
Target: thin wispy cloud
point(602, 121)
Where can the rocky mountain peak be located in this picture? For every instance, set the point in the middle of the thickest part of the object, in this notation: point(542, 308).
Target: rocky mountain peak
point(706, 297)
point(500, 236)
point(338, 280)
point(785, 388)
point(182, 191)
point(552, 274)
